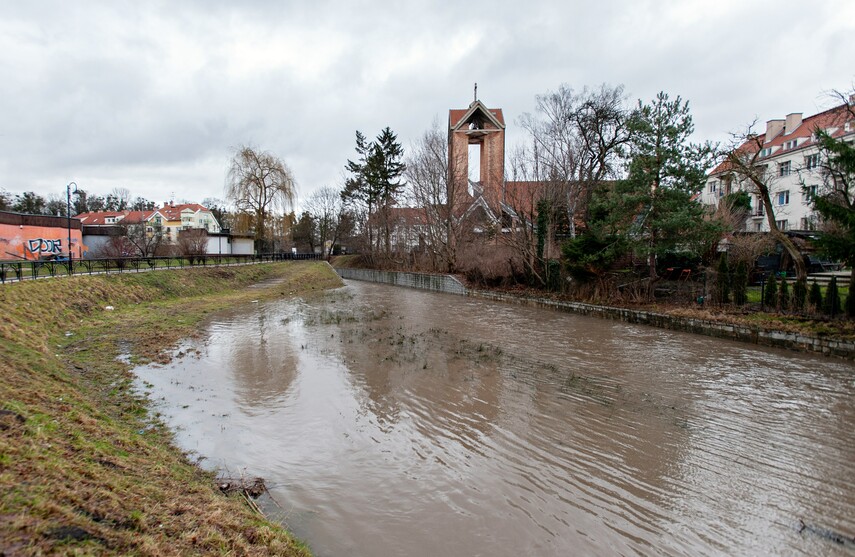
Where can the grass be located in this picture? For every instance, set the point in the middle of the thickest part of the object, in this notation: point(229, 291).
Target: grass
point(85, 469)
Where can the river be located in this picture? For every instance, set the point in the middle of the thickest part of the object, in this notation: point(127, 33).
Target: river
point(390, 421)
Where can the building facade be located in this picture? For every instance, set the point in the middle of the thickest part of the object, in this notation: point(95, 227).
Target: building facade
point(788, 158)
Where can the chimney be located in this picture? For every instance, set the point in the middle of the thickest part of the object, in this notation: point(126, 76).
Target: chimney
point(773, 128)
point(794, 120)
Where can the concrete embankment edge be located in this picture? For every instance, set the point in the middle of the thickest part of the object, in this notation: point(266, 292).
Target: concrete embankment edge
point(777, 339)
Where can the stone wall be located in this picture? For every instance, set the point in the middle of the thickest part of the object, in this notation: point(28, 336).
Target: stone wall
point(437, 283)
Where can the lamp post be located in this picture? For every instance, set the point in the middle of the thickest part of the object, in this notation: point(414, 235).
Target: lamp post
point(68, 214)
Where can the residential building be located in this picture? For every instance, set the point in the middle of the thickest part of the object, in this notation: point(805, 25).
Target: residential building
point(790, 161)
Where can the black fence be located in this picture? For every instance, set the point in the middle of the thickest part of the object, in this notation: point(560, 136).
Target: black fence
point(14, 271)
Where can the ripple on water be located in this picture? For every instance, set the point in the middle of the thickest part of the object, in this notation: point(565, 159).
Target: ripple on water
point(393, 421)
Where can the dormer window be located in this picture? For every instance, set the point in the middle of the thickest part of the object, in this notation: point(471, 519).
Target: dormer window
point(766, 152)
point(790, 144)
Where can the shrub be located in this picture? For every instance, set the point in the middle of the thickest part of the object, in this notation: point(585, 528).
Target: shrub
point(722, 281)
point(784, 295)
point(740, 283)
point(815, 297)
point(770, 296)
point(831, 304)
point(799, 295)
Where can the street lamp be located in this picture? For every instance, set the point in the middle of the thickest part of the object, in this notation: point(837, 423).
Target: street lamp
point(68, 213)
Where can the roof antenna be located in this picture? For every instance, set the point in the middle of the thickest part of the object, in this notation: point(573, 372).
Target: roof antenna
point(476, 93)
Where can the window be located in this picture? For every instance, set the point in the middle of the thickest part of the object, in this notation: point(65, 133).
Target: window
point(790, 144)
point(808, 223)
point(809, 193)
point(782, 224)
point(784, 169)
point(812, 161)
point(766, 152)
point(712, 186)
point(784, 197)
point(760, 208)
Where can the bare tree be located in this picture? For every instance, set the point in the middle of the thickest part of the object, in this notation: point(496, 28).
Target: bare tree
point(327, 210)
point(743, 158)
point(259, 183)
point(576, 141)
point(441, 199)
point(193, 242)
point(142, 239)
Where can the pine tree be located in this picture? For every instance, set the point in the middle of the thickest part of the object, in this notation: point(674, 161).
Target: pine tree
point(799, 295)
point(740, 284)
point(784, 295)
point(664, 174)
point(770, 296)
point(831, 303)
point(722, 281)
point(815, 297)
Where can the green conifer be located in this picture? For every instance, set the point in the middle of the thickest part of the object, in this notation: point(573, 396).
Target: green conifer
point(831, 304)
point(784, 295)
point(799, 295)
point(815, 297)
point(770, 296)
point(722, 282)
point(740, 284)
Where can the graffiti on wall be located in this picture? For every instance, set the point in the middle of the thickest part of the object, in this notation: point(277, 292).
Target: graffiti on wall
point(41, 246)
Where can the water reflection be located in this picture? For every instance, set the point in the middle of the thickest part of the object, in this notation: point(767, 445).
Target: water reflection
point(397, 422)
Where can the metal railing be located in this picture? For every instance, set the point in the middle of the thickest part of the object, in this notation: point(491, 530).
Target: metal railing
point(15, 271)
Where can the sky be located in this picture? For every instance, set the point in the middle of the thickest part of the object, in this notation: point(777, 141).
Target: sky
point(156, 96)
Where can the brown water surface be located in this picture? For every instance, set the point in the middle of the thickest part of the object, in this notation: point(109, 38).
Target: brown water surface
point(390, 421)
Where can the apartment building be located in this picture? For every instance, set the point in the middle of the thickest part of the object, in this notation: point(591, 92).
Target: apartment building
point(790, 161)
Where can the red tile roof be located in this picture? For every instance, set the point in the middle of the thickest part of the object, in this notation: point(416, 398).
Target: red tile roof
point(173, 212)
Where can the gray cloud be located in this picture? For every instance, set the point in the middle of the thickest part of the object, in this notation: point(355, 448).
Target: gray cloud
point(155, 96)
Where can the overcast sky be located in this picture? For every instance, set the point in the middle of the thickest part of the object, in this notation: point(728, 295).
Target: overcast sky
point(155, 96)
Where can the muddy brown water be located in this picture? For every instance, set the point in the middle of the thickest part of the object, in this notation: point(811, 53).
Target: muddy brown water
point(390, 421)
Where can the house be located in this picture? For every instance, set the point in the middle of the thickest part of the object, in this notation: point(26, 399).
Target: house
point(185, 216)
point(791, 162)
point(168, 221)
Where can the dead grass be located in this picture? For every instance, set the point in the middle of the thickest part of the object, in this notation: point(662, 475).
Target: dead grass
point(84, 468)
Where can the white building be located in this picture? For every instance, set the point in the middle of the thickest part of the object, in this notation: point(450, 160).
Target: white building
point(790, 159)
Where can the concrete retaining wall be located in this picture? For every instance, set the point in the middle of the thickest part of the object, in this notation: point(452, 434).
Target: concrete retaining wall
point(437, 283)
point(778, 339)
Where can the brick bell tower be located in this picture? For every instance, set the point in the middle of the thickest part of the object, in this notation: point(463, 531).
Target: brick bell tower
point(485, 127)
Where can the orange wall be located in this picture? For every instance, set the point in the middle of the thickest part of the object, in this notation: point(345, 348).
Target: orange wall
point(34, 242)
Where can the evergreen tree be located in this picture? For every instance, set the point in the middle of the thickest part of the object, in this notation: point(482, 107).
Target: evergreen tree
point(722, 281)
point(665, 172)
point(815, 296)
point(831, 304)
point(784, 295)
point(770, 296)
point(740, 284)
point(375, 179)
point(799, 295)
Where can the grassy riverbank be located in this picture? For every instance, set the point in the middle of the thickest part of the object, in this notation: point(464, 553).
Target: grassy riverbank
point(84, 466)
